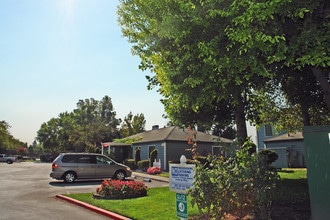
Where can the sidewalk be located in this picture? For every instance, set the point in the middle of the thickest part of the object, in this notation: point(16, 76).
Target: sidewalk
point(152, 177)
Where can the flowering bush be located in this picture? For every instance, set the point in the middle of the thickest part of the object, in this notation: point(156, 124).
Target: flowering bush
point(118, 189)
point(154, 170)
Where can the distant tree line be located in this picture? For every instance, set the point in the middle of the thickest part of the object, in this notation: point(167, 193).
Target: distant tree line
point(86, 127)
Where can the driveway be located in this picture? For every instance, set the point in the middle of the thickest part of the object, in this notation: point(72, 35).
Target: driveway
point(27, 192)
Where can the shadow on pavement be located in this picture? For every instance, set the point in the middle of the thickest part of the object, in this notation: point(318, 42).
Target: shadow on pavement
point(76, 183)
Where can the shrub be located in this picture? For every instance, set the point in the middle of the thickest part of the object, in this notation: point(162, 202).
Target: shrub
point(201, 159)
point(238, 185)
point(118, 189)
point(189, 161)
point(154, 170)
point(271, 156)
point(143, 165)
point(130, 163)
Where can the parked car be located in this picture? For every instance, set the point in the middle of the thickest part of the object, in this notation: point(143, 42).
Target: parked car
point(72, 166)
point(7, 159)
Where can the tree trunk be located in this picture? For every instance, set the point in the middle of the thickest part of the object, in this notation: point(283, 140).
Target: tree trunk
point(239, 115)
point(305, 114)
point(324, 83)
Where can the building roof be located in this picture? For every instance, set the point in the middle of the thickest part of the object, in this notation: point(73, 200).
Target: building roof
point(286, 137)
point(114, 144)
point(175, 133)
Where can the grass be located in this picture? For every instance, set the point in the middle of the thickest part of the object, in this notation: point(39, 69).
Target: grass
point(292, 201)
point(164, 174)
point(297, 173)
point(159, 202)
point(294, 184)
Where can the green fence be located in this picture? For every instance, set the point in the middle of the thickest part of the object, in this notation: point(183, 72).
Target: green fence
point(317, 151)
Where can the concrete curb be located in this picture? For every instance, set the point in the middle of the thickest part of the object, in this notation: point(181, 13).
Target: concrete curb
point(93, 208)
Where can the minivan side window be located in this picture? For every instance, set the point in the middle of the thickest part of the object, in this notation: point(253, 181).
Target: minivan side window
point(69, 158)
point(84, 159)
point(103, 160)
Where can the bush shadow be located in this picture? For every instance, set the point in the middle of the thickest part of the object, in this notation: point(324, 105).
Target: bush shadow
point(76, 183)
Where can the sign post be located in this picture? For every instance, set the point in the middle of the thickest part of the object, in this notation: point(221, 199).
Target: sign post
point(181, 179)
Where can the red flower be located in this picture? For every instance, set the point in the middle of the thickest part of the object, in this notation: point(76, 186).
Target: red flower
point(154, 170)
point(117, 189)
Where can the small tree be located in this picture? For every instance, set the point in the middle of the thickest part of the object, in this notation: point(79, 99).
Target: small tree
point(137, 155)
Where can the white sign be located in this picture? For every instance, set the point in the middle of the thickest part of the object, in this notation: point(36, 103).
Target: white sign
point(181, 177)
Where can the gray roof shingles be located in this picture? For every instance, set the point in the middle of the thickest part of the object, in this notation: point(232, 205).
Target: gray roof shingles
point(286, 137)
point(175, 133)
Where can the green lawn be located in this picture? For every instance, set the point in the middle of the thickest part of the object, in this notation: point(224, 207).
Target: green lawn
point(292, 201)
point(297, 173)
point(159, 202)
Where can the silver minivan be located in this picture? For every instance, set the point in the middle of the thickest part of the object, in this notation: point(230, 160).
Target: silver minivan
point(72, 166)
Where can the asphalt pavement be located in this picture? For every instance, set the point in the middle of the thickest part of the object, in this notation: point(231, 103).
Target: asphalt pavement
point(27, 192)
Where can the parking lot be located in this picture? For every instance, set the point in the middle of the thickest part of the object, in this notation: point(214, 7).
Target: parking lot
point(27, 192)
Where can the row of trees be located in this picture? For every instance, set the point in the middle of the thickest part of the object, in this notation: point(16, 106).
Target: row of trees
point(222, 62)
point(83, 129)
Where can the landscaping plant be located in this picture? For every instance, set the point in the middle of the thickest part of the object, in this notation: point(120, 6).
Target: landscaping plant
point(154, 170)
point(118, 189)
point(240, 185)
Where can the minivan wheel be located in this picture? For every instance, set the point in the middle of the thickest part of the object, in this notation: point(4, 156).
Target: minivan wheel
point(69, 177)
point(120, 175)
point(9, 162)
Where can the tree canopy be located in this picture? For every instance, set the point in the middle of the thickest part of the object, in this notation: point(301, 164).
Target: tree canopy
point(132, 125)
point(91, 123)
point(8, 143)
point(216, 56)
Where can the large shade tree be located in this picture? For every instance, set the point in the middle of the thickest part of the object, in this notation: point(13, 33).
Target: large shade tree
point(210, 54)
point(197, 68)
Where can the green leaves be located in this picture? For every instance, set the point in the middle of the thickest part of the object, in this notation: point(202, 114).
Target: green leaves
point(91, 123)
point(238, 185)
point(132, 125)
point(208, 54)
point(8, 143)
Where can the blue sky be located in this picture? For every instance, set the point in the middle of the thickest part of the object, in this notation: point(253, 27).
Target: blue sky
point(54, 53)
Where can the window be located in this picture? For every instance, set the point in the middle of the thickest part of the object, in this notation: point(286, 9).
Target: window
point(103, 160)
point(69, 159)
point(84, 159)
point(217, 150)
point(268, 130)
